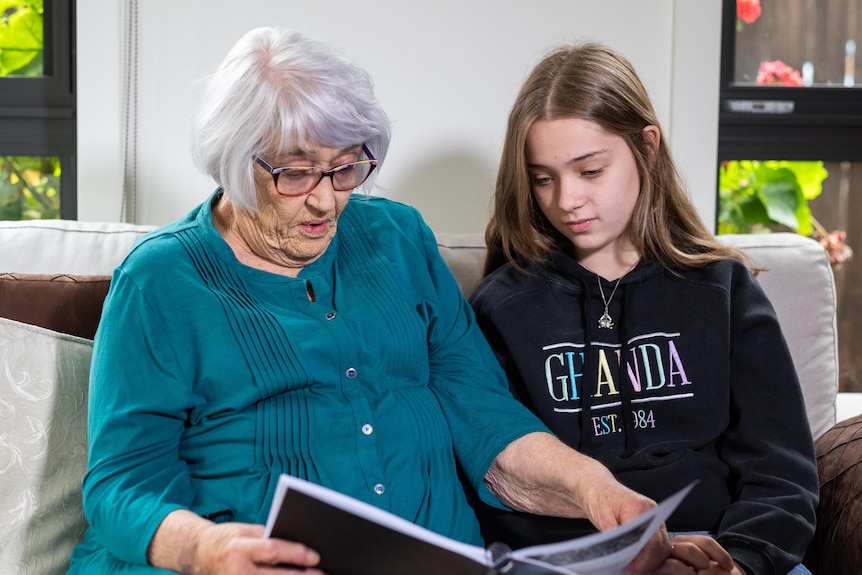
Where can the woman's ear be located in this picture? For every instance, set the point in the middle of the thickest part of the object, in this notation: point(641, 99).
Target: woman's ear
point(652, 137)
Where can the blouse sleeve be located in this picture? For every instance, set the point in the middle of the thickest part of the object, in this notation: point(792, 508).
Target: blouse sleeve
point(137, 408)
point(467, 379)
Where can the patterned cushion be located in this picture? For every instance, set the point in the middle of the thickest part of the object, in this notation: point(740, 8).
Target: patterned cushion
point(837, 545)
point(43, 446)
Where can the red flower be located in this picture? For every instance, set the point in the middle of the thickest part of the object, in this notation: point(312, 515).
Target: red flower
point(748, 10)
point(778, 73)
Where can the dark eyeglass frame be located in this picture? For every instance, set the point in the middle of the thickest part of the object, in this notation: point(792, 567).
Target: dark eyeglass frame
point(321, 173)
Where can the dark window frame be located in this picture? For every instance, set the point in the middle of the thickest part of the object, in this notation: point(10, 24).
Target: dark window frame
point(825, 122)
point(38, 115)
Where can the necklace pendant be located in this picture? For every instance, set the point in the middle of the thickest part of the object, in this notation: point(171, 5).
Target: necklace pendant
point(605, 321)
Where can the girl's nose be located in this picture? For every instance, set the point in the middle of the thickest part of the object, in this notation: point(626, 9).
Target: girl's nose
point(570, 194)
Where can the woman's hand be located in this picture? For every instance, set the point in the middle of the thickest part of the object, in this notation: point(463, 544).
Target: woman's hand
point(189, 544)
point(540, 474)
point(240, 548)
point(700, 555)
point(611, 504)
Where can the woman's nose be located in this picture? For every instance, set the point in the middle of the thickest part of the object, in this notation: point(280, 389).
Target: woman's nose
point(322, 197)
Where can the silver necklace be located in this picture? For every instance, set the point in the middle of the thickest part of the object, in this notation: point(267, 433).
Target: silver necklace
point(606, 321)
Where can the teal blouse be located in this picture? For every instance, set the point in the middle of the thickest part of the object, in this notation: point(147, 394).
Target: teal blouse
point(210, 378)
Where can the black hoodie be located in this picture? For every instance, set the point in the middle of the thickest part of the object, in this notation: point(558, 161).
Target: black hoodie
point(693, 381)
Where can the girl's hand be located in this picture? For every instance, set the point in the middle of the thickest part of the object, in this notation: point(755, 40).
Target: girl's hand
point(698, 554)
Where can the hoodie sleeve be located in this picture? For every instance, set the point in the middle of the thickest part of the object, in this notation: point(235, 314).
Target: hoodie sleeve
point(768, 444)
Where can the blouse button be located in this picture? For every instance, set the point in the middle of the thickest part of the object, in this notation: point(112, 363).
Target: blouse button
point(367, 429)
point(330, 315)
point(379, 489)
point(350, 373)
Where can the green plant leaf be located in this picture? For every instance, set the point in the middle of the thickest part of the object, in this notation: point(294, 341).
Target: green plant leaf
point(803, 216)
point(754, 212)
point(21, 35)
point(810, 176)
point(782, 190)
point(781, 199)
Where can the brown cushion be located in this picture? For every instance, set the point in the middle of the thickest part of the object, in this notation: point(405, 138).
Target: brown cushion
point(837, 545)
point(65, 303)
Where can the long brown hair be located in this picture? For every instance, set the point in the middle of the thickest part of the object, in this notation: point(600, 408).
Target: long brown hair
point(593, 82)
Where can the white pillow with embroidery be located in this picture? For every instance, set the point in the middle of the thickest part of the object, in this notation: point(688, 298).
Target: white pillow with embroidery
point(43, 446)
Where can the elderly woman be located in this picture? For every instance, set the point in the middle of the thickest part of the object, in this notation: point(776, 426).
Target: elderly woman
point(287, 325)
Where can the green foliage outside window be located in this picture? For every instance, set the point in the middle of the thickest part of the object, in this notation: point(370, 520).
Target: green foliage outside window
point(29, 188)
point(757, 196)
point(21, 38)
point(760, 197)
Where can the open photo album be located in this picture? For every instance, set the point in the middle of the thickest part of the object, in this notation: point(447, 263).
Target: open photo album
point(356, 538)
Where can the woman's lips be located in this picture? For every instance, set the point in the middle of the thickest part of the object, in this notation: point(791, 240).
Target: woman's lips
point(315, 228)
point(581, 225)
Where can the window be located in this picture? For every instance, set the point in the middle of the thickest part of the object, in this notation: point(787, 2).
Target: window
point(814, 112)
point(790, 137)
point(37, 110)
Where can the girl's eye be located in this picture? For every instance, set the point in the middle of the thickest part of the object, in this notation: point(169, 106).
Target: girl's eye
point(540, 180)
point(593, 173)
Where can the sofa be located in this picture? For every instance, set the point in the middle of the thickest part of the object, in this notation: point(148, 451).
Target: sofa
point(54, 276)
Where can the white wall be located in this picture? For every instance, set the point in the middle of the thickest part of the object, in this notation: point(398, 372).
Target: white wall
point(445, 71)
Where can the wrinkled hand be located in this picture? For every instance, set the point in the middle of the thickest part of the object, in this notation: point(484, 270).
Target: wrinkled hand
point(700, 555)
point(612, 504)
point(189, 544)
point(239, 548)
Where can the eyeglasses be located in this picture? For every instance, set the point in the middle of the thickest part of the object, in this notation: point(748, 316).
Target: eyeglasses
point(300, 180)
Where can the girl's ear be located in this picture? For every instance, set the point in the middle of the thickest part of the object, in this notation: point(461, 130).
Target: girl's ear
point(652, 136)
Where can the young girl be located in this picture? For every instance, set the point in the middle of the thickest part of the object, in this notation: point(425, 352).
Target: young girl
point(633, 333)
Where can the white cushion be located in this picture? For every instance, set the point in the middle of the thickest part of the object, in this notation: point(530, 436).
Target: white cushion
point(43, 446)
point(66, 246)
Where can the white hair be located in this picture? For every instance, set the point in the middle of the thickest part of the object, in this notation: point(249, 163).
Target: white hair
point(277, 89)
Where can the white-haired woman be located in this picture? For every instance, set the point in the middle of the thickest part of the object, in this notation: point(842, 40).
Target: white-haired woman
point(250, 339)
